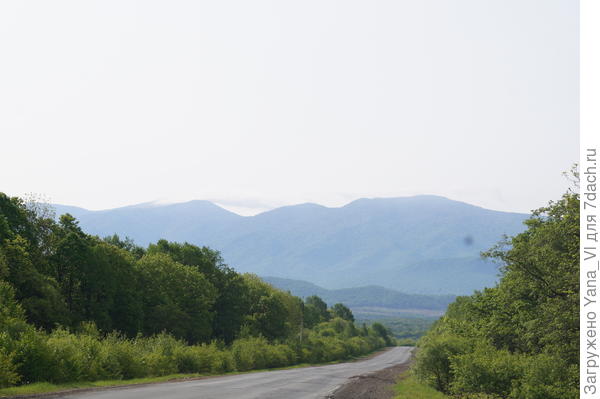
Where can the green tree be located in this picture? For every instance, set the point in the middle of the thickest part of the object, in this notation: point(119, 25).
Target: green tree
point(112, 299)
point(232, 302)
point(268, 315)
point(315, 311)
point(342, 311)
point(127, 244)
point(12, 325)
point(24, 251)
point(176, 298)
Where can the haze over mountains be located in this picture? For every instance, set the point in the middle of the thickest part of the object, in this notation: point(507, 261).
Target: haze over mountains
point(369, 301)
point(421, 244)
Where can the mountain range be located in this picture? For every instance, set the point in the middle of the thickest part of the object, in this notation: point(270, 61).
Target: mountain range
point(421, 244)
point(369, 301)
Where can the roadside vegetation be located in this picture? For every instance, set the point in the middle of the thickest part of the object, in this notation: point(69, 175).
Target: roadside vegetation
point(78, 308)
point(520, 339)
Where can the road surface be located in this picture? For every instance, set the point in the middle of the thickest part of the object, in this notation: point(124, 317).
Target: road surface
point(300, 383)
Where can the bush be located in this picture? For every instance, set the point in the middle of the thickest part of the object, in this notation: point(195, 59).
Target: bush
point(28, 355)
point(547, 377)
point(8, 370)
point(486, 370)
point(34, 357)
point(433, 361)
point(124, 357)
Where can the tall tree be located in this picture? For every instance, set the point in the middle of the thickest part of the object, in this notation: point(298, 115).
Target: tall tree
point(342, 311)
point(231, 304)
point(176, 298)
point(315, 311)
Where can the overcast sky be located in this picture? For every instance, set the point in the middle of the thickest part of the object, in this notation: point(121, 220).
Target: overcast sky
point(256, 104)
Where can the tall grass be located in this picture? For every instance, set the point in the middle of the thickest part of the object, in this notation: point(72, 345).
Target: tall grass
point(411, 388)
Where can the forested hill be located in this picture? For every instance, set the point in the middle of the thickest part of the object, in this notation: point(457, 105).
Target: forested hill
point(359, 297)
point(422, 244)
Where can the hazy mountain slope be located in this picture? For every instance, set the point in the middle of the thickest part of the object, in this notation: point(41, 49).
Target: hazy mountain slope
point(422, 244)
point(195, 221)
point(388, 242)
point(369, 296)
point(446, 276)
point(75, 211)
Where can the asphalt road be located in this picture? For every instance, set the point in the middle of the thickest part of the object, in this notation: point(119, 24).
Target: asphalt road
point(300, 383)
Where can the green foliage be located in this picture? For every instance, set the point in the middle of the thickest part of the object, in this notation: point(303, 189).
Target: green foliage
point(8, 375)
point(433, 362)
point(548, 376)
point(269, 310)
point(3, 265)
point(11, 324)
point(62, 356)
point(38, 293)
point(74, 307)
point(486, 370)
point(257, 353)
point(342, 311)
point(177, 298)
point(315, 311)
point(232, 301)
point(410, 387)
point(403, 328)
point(126, 244)
point(384, 333)
point(518, 340)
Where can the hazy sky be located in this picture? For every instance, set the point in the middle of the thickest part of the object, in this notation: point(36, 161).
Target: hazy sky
point(256, 104)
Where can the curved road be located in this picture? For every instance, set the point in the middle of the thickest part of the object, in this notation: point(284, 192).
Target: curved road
point(300, 383)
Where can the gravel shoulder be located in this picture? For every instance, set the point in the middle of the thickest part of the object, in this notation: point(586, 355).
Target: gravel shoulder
point(375, 385)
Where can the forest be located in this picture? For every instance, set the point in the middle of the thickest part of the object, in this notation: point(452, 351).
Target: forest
point(77, 307)
point(519, 339)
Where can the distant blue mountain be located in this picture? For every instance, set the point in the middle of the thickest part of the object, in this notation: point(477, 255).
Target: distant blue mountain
point(372, 296)
point(421, 244)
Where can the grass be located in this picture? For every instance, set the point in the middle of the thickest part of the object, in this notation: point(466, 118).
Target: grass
point(410, 388)
point(47, 388)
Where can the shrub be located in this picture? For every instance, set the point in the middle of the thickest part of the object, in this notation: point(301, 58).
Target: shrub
point(433, 361)
point(34, 357)
point(547, 377)
point(486, 370)
point(8, 370)
point(28, 355)
point(249, 353)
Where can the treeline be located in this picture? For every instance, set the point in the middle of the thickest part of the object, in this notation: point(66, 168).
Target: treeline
point(372, 296)
point(520, 339)
point(406, 330)
point(77, 307)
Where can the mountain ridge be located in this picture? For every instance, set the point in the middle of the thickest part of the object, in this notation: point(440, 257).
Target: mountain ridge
point(360, 297)
point(420, 244)
point(157, 203)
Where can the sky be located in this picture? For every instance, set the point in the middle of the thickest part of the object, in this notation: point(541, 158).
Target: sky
point(259, 104)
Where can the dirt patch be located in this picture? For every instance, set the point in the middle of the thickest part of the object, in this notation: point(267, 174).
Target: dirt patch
point(375, 385)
